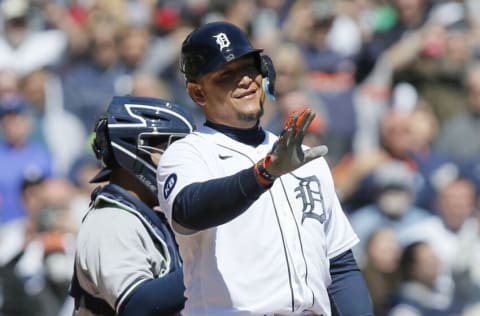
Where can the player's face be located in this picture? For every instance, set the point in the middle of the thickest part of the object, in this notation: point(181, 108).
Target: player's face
point(233, 94)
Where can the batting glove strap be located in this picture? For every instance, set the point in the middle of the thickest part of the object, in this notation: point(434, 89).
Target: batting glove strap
point(263, 176)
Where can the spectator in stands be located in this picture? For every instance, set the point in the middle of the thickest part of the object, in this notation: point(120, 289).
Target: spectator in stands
point(458, 135)
point(353, 175)
point(292, 93)
point(433, 165)
point(466, 270)
point(437, 67)
point(380, 268)
point(411, 15)
point(18, 155)
point(331, 77)
point(92, 81)
point(420, 268)
point(456, 203)
point(53, 124)
point(393, 206)
point(36, 261)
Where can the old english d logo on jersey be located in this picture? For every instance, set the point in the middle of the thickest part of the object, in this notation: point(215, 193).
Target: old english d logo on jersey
point(308, 190)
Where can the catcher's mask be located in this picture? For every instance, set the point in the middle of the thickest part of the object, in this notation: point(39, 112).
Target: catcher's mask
point(132, 129)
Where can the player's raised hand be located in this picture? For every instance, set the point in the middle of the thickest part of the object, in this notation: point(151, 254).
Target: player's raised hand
point(287, 153)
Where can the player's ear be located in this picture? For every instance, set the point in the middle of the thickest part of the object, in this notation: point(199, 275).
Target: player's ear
point(196, 93)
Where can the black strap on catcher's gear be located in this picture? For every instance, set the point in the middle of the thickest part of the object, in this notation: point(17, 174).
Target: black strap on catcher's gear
point(94, 304)
point(154, 222)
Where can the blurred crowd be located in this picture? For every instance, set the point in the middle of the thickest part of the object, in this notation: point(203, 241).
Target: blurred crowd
point(396, 88)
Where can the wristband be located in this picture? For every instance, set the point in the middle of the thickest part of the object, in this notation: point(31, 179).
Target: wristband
point(260, 170)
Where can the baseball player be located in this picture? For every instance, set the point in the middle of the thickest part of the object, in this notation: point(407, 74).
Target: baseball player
point(127, 261)
point(259, 226)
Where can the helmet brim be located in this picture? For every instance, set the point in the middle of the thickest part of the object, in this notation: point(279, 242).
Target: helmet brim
point(219, 61)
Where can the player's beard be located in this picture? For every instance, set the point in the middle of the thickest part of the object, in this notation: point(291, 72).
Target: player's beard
point(252, 117)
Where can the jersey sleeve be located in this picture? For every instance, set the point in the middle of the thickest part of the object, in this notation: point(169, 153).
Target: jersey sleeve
point(177, 169)
point(340, 236)
point(115, 255)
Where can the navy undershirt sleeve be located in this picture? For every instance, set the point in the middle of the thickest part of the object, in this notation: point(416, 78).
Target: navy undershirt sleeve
point(348, 292)
point(207, 204)
point(161, 296)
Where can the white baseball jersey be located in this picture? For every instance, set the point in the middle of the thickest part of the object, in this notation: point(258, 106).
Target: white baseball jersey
point(274, 257)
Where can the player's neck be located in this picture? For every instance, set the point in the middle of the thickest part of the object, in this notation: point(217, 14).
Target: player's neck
point(253, 136)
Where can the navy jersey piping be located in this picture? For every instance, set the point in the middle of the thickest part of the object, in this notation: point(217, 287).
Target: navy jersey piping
point(279, 227)
point(299, 238)
point(292, 294)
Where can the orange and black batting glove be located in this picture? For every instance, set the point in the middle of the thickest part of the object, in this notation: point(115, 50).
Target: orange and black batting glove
point(287, 153)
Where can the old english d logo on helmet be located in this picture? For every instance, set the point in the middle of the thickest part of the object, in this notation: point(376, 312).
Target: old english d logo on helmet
point(224, 43)
point(211, 46)
point(222, 40)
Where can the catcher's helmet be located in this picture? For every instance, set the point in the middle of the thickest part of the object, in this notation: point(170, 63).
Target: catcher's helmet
point(214, 44)
point(132, 129)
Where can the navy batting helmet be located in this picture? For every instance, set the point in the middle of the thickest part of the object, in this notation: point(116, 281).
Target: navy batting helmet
point(132, 129)
point(211, 46)
point(214, 44)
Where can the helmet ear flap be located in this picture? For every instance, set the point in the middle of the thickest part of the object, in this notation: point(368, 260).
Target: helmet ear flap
point(101, 143)
point(269, 75)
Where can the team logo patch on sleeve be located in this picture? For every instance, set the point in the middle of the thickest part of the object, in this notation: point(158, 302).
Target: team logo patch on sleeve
point(169, 185)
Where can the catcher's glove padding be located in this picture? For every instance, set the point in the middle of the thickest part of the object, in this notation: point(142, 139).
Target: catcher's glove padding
point(287, 153)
